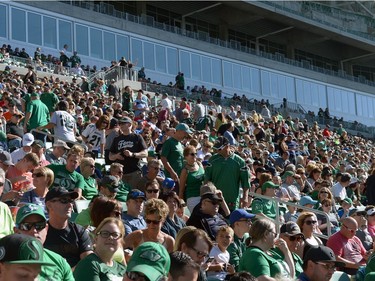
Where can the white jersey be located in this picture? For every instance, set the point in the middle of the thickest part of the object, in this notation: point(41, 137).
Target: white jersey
point(94, 136)
point(65, 125)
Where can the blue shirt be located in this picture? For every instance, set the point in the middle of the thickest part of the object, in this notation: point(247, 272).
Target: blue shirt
point(132, 224)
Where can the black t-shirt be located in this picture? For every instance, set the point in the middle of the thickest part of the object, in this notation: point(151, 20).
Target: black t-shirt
point(69, 242)
point(14, 129)
point(134, 143)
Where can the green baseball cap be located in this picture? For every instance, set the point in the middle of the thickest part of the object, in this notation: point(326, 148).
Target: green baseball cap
point(22, 249)
point(27, 210)
point(269, 184)
point(288, 174)
point(151, 259)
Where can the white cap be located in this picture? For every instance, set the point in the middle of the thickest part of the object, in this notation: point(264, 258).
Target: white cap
point(27, 139)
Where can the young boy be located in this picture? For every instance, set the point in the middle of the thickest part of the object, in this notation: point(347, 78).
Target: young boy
point(346, 205)
point(220, 266)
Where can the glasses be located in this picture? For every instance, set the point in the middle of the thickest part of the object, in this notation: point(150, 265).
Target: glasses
point(352, 230)
point(193, 154)
point(38, 175)
point(152, 190)
point(294, 238)
point(107, 234)
point(310, 222)
point(64, 200)
point(201, 254)
point(148, 221)
point(91, 166)
point(27, 226)
point(327, 266)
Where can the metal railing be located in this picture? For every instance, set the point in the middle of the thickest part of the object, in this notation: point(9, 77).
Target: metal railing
point(117, 73)
point(54, 136)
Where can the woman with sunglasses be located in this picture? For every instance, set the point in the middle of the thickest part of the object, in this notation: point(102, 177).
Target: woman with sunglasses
point(259, 260)
point(173, 223)
point(87, 169)
point(43, 178)
point(100, 265)
point(156, 212)
point(191, 178)
point(308, 223)
point(152, 189)
point(333, 218)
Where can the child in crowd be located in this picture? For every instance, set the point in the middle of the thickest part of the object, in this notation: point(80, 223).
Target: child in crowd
point(220, 266)
point(346, 205)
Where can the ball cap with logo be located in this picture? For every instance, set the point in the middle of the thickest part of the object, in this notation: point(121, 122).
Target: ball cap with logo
point(59, 192)
point(322, 254)
point(151, 259)
point(21, 249)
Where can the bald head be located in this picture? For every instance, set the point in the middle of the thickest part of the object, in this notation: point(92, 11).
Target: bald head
point(349, 227)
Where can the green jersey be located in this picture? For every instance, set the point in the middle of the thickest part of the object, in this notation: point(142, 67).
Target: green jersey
point(39, 114)
point(298, 262)
point(64, 178)
point(267, 207)
point(92, 268)
point(228, 175)
point(173, 151)
point(236, 250)
point(194, 182)
point(50, 100)
point(61, 270)
point(84, 218)
point(90, 188)
point(203, 122)
point(123, 190)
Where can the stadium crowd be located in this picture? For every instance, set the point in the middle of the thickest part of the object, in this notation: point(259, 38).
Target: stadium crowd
point(177, 196)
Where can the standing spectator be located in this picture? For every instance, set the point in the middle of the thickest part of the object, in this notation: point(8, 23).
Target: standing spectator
point(199, 110)
point(127, 98)
point(64, 237)
point(84, 85)
point(113, 90)
point(228, 172)
point(94, 135)
point(75, 60)
point(140, 104)
point(127, 149)
point(49, 98)
point(141, 75)
point(30, 76)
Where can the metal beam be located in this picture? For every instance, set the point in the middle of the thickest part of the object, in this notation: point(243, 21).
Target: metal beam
point(201, 10)
point(365, 8)
point(275, 32)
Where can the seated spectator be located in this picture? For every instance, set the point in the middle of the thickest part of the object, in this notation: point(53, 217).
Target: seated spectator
point(14, 132)
point(259, 261)
point(205, 216)
point(31, 221)
point(18, 154)
point(133, 220)
point(183, 267)
point(173, 223)
point(347, 247)
point(156, 211)
point(332, 218)
point(265, 207)
point(308, 223)
point(153, 173)
point(90, 188)
point(100, 264)
point(289, 185)
point(64, 237)
point(55, 156)
point(123, 188)
point(359, 214)
point(108, 186)
point(39, 148)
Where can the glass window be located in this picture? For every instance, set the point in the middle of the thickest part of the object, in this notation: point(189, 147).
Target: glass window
point(82, 39)
point(122, 47)
point(216, 72)
point(351, 103)
point(161, 59)
point(34, 28)
point(50, 33)
point(322, 96)
point(237, 79)
point(274, 84)
point(185, 64)
point(246, 78)
point(137, 52)
point(266, 89)
point(96, 43)
point(172, 61)
point(227, 71)
point(255, 80)
point(370, 107)
point(3, 21)
point(196, 67)
point(149, 55)
point(281, 89)
point(359, 105)
point(65, 34)
point(365, 112)
point(290, 91)
point(299, 90)
point(109, 46)
point(206, 69)
point(18, 25)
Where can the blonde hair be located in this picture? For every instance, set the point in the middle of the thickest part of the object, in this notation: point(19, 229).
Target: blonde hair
point(48, 174)
point(115, 221)
point(157, 207)
point(86, 161)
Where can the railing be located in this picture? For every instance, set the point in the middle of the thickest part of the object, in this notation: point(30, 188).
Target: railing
point(54, 136)
point(109, 9)
point(116, 72)
point(278, 221)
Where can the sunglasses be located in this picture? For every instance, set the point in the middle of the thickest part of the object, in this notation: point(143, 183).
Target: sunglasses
point(310, 222)
point(294, 238)
point(64, 200)
point(107, 234)
point(352, 230)
point(193, 154)
point(214, 202)
point(38, 175)
point(27, 226)
point(152, 190)
point(148, 221)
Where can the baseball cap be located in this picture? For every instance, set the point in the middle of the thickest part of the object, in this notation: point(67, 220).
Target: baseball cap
point(238, 214)
point(27, 210)
point(168, 183)
point(291, 229)
point(207, 188)
point(269, 184)
point(322, 254)
point(113, 123)
point(60, 143)
point(110, 182)
point(5, 158)
point(135, 194)
point(288, 174)
point(371, 212)
point(307, 200)
point(125, 120)
point(184, 127)
point(21, 249)
point(39, 143)
point(58, 192)
point(357, 210)
point(348, 200)
point(220, 143)
point(151, 259)
point(353, 180)
point(211, 196)
point(27, 139)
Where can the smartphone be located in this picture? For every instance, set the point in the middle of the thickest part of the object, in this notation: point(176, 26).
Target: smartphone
point(210, 259)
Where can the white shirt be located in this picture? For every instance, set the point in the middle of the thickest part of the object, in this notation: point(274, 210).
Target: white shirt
point(166, 104)
point(339, 191)
point(18, 154)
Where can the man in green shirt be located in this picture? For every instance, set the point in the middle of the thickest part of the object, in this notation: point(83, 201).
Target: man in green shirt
point(31, 221)
point(49, 98)
point(228, 172)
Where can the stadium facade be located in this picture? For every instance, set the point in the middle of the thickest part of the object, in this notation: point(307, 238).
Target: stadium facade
point(257, 49)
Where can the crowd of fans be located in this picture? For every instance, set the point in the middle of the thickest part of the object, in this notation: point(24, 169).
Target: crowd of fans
point(187, 178)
